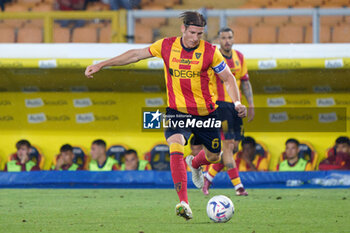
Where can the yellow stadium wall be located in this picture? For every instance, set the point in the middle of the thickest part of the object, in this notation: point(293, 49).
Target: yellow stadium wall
point(118, 119)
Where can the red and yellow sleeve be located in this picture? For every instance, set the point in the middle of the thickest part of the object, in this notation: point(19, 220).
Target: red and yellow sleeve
point(155, 49)
point(218, 64)
point(244, 71)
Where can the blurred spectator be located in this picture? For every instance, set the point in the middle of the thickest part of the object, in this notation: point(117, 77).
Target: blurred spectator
point(338, 156)
point(23, 162)
point(71, 5)
point(100, 161)
point(247, 159)
point(65, 160)
point(292, 161)
point(132, 162)
point(126, 4)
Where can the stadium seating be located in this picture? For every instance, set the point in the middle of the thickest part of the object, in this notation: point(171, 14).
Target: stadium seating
point(30, 35)
point(35, 155)
point(7, 35)
point(84, 35)
point(325, 34)
point(117, 151)
point(264, 34)
point(61, 35)
point(241, 34)
point(159, 157)
point(306, 152)
point(105, 35)
point(291, 34)
point(341, 34)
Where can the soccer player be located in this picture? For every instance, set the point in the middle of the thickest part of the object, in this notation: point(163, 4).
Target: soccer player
point(65, 160)
point(292, 161)
point(232, 129)
point(188, 64)
point(23, 162)
point(338, 158)
point(132, 162)
point(100, 161)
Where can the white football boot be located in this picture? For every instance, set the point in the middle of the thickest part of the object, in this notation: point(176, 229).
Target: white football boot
point(197, 174)
point(183, 210)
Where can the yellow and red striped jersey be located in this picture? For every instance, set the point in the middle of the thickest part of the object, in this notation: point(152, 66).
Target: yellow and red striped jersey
point(238, 67)
point(188, 74)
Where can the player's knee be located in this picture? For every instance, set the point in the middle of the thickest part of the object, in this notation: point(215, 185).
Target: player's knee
point(213, 157)
point(176, 139)
point(230, 145)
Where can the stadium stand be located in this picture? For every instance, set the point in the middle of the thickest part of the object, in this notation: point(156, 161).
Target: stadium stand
point(159, 157)
point(117, 152)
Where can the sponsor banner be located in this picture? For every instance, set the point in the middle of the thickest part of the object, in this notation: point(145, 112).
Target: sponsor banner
point(276, 102)
point(154, 102)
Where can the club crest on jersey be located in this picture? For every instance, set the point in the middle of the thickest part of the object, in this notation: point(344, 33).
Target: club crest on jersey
point(237, 64)
point(198, 55)
point(178, 186)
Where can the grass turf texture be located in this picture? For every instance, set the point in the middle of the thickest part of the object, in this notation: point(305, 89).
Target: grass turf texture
point(153, 210)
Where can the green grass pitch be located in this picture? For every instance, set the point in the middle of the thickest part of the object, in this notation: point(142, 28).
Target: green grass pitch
point(153, 210)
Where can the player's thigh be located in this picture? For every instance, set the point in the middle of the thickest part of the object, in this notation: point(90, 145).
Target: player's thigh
point(210, 138)
point(231, 123)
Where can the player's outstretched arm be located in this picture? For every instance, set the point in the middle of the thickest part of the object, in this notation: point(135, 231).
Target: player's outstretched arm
point(131, 56)
point(232, 89)
point(248, 93)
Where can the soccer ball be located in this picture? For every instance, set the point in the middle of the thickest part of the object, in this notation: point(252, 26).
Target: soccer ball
point(220, 209)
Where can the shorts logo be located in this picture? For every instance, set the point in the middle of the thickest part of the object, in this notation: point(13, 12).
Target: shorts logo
point(198, 55)
point(151, 120)
point(178, 186)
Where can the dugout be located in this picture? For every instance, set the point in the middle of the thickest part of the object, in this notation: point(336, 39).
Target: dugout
point(300, 91)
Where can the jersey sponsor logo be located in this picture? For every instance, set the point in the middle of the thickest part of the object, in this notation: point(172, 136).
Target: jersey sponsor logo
point(325, 102)
point(184, 73)
point(185, 61)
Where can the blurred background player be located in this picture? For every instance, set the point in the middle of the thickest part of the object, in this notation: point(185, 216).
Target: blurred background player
point(247, 159)
point(338, 158)
point(65, 160)
point(100, 161)
point(188, 61)
point(292, 161)
point(23, 162)
point(132, 162)
point(232, 124)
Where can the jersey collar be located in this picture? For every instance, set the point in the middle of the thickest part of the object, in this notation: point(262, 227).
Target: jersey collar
point(187, 49)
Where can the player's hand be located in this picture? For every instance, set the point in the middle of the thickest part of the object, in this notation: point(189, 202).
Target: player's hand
point(242, 110)
point(251, 113)
point(90, 70)
point(59, 163)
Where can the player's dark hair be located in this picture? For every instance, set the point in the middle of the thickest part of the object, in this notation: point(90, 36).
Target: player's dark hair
point(342, 140)
point(66, 147)
point(23, 142)
point(130, 151)
point(100, 142)
point(225, 29)
point(292, 140)
point(248, 140)
point(193, 18)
